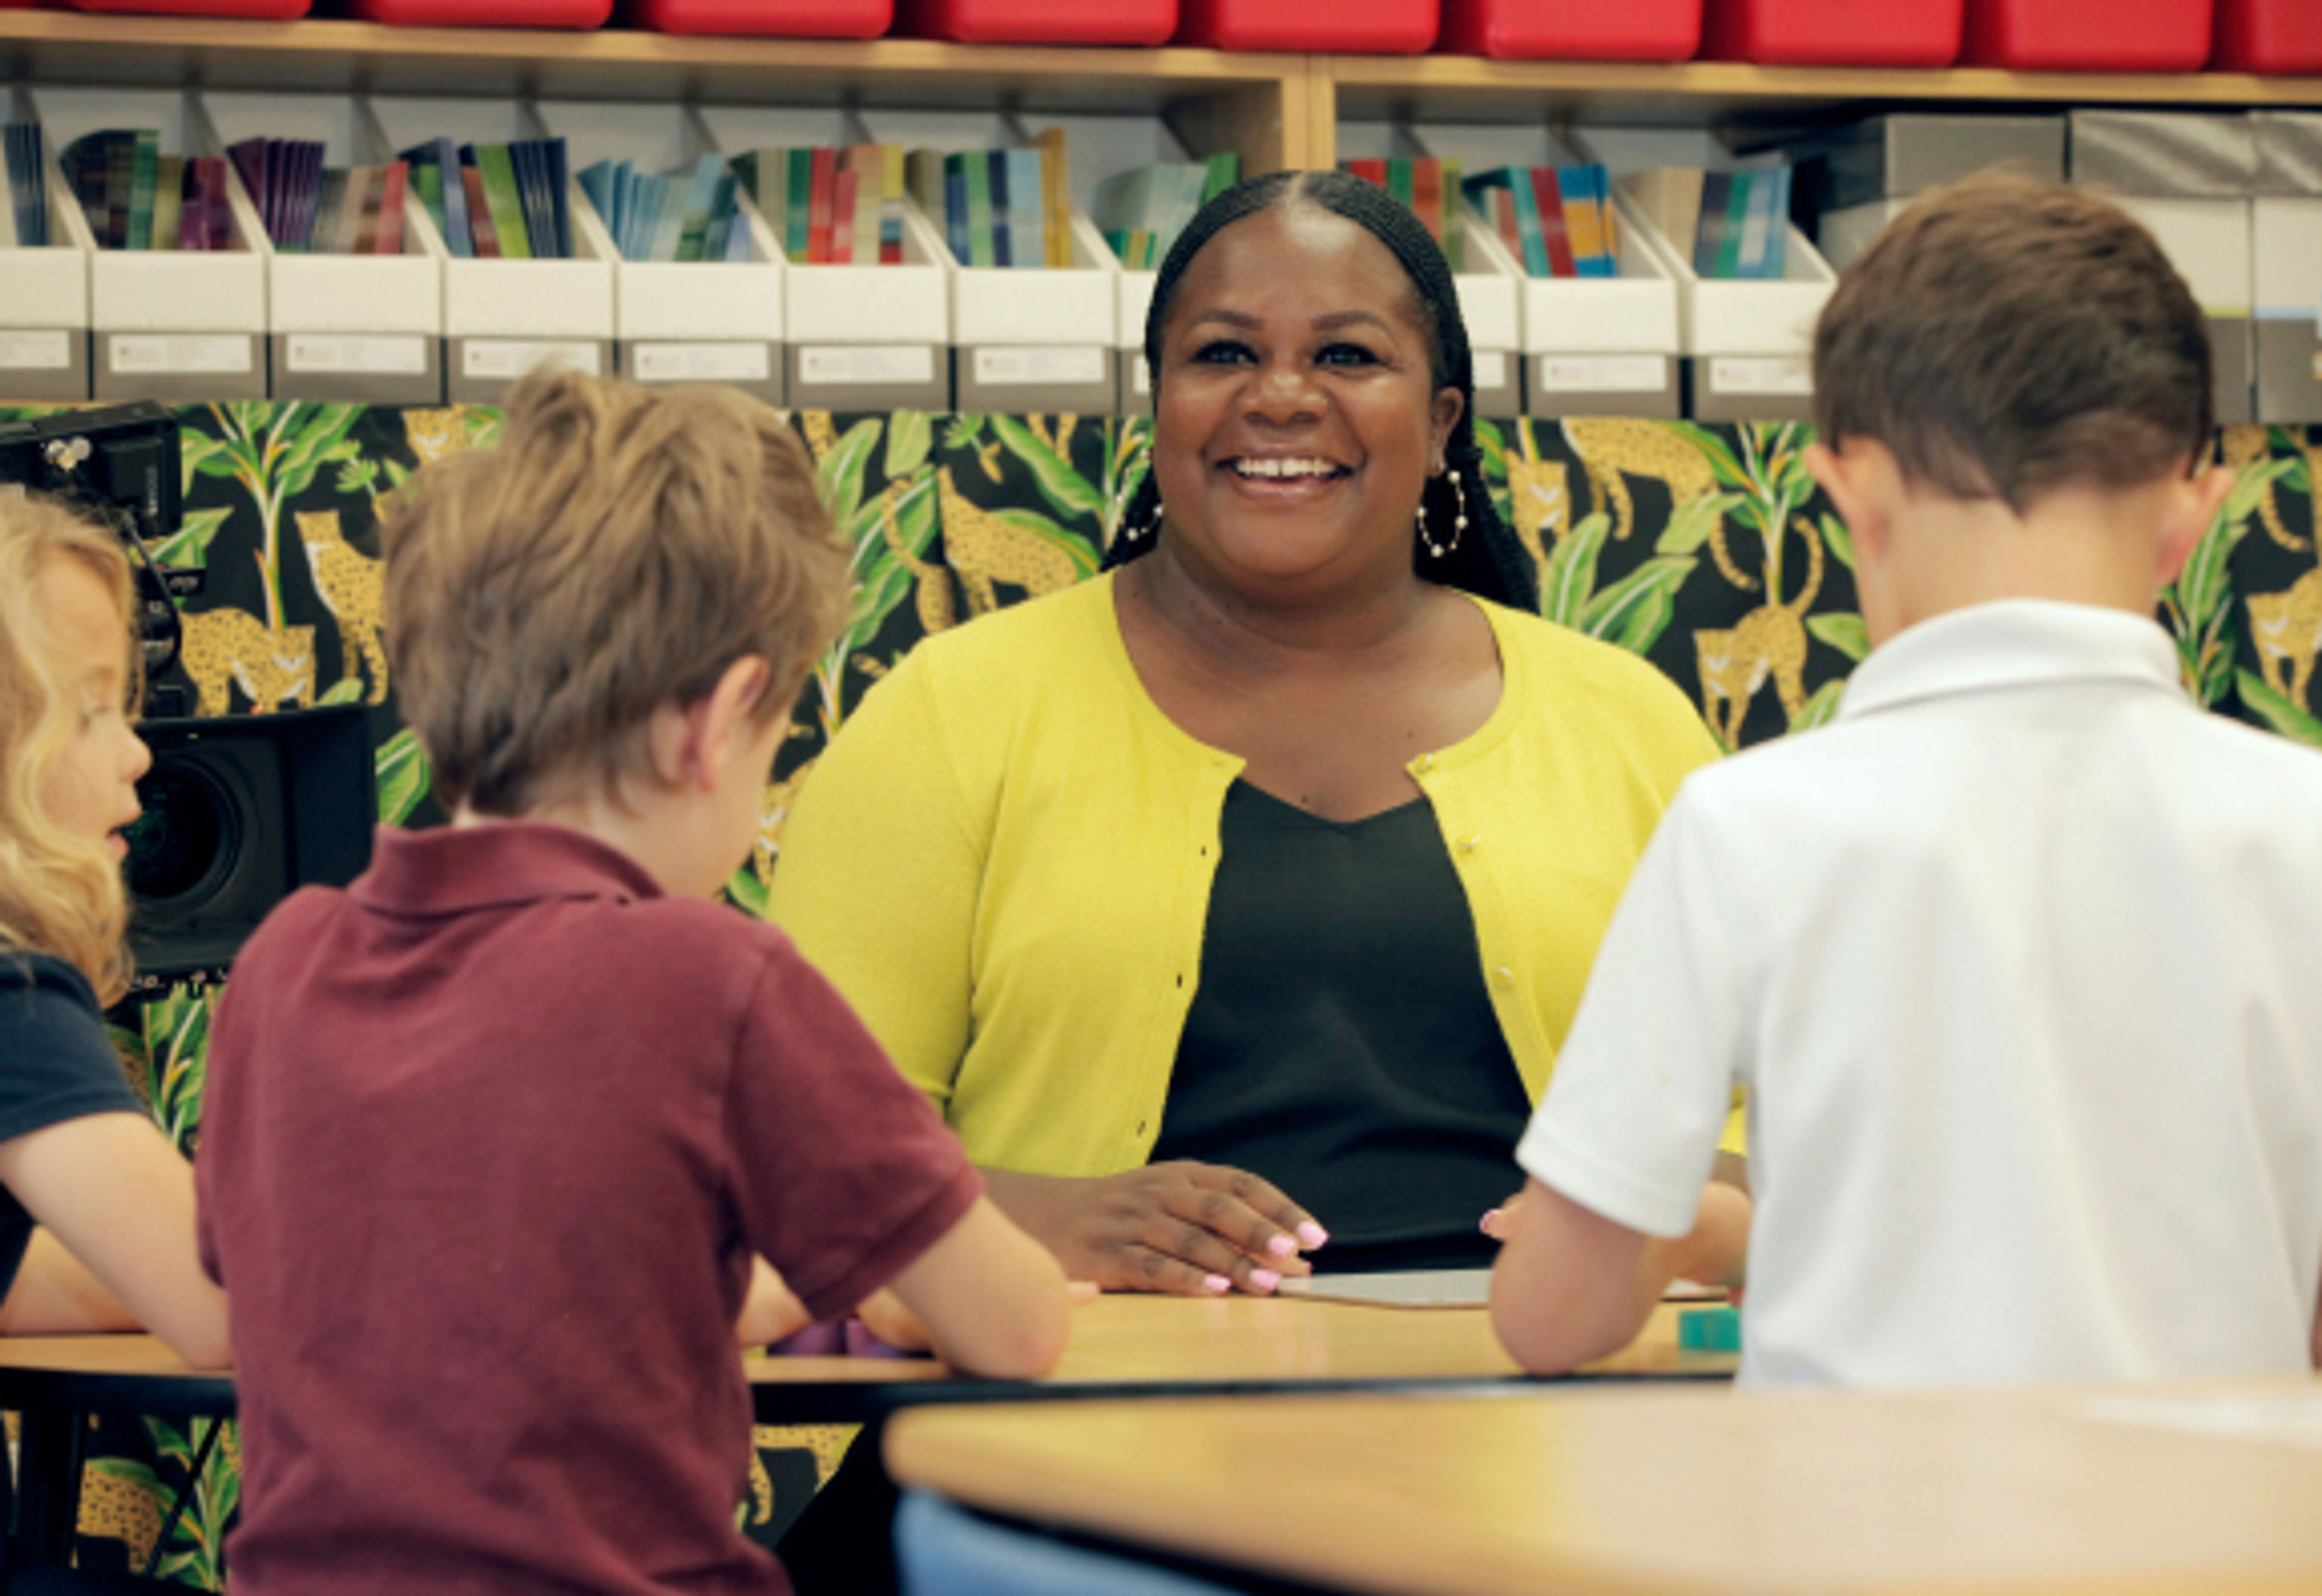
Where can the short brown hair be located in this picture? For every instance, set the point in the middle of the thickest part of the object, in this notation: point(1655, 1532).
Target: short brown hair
point(618, 551)
point(2005, 337)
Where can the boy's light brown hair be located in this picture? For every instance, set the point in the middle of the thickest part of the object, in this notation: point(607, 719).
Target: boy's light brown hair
point(618, 551)
point(2005, 337)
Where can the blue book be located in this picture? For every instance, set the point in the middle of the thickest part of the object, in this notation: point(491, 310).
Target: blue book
point(1004, 238)
point(602, 184)
point(1709, 241)
point(556, 173)
point(1028, 211)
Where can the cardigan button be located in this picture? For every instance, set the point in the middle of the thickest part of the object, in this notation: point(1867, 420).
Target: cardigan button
point(1469, 844)
point(1426, 762)
point(1507, 976)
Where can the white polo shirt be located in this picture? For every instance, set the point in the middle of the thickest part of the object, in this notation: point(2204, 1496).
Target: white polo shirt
point(2020, 959)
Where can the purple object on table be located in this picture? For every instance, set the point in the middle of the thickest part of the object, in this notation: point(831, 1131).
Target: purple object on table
point(836, 1338)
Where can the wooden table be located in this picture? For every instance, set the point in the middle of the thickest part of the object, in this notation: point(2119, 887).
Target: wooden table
point(1709, 1493)
point(1147, 1346)
point(1121, 1345)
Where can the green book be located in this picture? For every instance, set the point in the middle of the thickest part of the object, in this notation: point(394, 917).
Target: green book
point(501, 198)
point(798, 206)
point(1737, 219)
point(428, 180)
point(979, 248)
point(143, 174)
point(120, 170)
point(169, 200)
point(1224, 172)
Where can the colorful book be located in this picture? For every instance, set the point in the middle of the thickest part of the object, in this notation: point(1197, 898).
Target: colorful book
point(502, 198)
point(1731, 237)
point(395, 183)
point(1028, 208)
point(1003, 234)
point(1055, 187)
point(479, 208)
point(982, 246)
point(145, 157)
point(169, 200)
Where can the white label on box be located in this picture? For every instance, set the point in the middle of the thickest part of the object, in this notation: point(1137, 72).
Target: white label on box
point(866, 362)
point(1492, 369)
point(189, 355)
point(309, 351)
point(1009, 366)
point(1599, 374)
point(700, 362)
point(35, 351)
point(488, 359)
point(1762, 374)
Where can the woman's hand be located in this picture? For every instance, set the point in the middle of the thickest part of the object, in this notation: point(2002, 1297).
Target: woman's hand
point(1192, 1229)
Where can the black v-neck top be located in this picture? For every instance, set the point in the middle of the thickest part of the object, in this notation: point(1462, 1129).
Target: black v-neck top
point(1341, 1043)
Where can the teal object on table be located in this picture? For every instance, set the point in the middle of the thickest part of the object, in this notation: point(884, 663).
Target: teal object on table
point(1710, 1329)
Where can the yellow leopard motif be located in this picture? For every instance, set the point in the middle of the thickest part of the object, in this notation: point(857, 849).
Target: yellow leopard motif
point(982, 548)
point(351, 585)
point(228, 647)
point(119, 1509)
point(1771, 640)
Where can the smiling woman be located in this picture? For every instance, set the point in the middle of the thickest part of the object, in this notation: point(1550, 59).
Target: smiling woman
point(1231, 906)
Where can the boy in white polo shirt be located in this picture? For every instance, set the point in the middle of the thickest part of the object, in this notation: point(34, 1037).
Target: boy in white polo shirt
point(2017, 958)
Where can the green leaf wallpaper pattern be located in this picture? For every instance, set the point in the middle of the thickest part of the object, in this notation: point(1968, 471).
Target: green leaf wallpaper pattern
point(1704, 549)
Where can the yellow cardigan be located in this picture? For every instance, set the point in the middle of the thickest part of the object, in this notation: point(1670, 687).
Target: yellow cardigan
point(1003, 862)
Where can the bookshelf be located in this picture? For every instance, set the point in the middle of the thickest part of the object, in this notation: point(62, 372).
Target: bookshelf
point(1254, 104)
point(1466, 89)
point(1274, 110)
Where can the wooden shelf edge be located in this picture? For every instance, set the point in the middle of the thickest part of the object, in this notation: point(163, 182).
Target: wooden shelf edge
point(1731, 81)
point(255, 41)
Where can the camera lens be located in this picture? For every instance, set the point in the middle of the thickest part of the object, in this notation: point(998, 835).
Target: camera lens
point(183, 847)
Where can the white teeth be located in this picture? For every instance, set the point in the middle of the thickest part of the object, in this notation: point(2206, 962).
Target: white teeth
point(1285, 467)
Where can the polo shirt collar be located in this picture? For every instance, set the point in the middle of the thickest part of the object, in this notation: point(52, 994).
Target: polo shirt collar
point(2013, 642)
point(502, 864)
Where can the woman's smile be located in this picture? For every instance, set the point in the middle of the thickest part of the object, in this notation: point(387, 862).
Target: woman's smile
point(1298, 417)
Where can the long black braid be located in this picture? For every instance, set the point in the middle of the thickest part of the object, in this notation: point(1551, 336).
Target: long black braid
point(1486, 559)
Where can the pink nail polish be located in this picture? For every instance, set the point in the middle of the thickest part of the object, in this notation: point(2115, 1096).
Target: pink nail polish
point(1490, 1217)
point(1311, 1235)
point(1281, 1246)
point(1218, 1283)
point(1265, 1280)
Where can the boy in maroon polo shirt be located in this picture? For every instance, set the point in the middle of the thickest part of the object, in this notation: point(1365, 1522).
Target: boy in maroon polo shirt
point(492, 1137)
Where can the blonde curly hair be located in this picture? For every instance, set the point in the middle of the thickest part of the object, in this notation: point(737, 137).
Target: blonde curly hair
point(60, 893)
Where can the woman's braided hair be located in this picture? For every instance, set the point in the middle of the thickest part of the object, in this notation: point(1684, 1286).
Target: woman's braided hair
point(1486, 559)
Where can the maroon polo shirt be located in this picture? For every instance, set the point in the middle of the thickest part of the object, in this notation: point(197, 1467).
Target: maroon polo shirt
point(488, 1141)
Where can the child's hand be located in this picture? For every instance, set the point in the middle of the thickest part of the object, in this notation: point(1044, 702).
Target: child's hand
point(769, 1311)
point(1716, 1251)
point(883, 1314)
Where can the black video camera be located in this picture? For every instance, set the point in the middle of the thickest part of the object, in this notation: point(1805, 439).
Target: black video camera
point(240, 810)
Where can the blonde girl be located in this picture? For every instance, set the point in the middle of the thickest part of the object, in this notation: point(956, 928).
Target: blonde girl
point(79, 1157)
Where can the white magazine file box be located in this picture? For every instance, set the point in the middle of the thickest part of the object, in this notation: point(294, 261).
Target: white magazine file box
point(1100, 147)
point(1747, 342)
point(44, 295)
point(678, 320)
point(503, 319)
point(1037, 339)
point(2286, 236)
point(366, 328)
point(1589, 346)
point(165, 324)
point(2208, 241)
point(860, 337)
